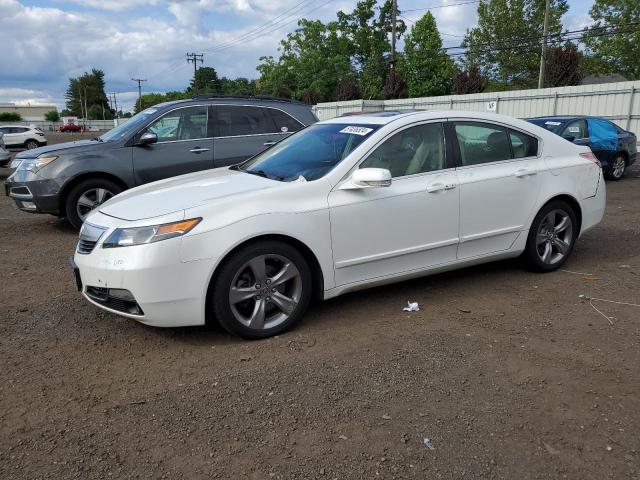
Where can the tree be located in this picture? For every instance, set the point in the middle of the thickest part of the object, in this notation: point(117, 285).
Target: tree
point(238, 86)
point(618, 53)
point(507, 41)
point(429, 69)
point(85, 91)
point(396, 86)
point(150, 99)
point(10, 117)
point(205, 81)
point(469, 81)
point(348, 89)
point(563, 66)
point(52, 116)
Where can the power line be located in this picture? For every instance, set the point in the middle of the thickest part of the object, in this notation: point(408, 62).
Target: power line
point(442, 6)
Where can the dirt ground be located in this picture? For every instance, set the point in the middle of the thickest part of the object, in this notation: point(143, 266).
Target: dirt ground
point(508, 373)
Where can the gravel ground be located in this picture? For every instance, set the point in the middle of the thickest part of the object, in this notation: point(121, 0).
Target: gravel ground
point(507, 372)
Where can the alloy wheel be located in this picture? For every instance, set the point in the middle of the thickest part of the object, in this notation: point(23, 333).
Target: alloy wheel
point(91, 199)
point(554, 237)
point(31, 145)
point(618, 167)
point(265, 291)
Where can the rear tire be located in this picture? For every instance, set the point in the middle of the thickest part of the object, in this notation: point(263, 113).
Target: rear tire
point(618, 168)
point(552, 237)
point(86, 196)
point(31, 144)
point(262, 290)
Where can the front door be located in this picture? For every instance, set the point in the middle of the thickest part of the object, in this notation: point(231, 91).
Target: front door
point(499, 185)
point(409, 226)
point(184, 146)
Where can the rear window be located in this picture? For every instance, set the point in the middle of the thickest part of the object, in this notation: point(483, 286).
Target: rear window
point(284, 123)
point(523, 145)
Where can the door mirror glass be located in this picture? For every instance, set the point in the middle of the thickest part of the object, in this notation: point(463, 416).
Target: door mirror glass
point(368, 178)
point(571, 138)
point(148, 138)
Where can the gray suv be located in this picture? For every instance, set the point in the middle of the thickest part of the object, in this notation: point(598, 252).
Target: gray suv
point(169, 139)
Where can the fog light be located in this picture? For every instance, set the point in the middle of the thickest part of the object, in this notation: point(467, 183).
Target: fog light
point(28, 205)
point(121, 294)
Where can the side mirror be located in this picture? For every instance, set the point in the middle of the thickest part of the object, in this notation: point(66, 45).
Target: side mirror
point(570, 138)
point(368, 178)
point(148, 138)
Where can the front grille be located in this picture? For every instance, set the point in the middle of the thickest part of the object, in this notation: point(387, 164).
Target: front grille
point(89, 236)
point(86, 246)
point(101, 295)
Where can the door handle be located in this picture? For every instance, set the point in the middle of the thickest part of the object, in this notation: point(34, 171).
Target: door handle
point(523, 172)
point(198, 150)
point(268, 144)
point(438, 186)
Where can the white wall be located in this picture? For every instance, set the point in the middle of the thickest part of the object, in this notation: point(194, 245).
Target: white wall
point(618, 102)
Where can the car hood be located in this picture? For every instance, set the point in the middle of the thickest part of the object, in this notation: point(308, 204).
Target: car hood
point(61, 148)
point(180, 193)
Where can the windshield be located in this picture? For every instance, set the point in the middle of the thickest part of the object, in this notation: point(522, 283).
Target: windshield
point(310, 153)
point(130, 125)
point(547, 123)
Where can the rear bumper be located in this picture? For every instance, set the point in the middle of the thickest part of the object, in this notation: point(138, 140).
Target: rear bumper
point(593, 207)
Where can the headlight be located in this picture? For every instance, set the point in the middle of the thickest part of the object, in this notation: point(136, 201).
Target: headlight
point(126, 237)
point(35, 164)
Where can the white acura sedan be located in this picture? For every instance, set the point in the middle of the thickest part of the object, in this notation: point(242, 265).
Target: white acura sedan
point(342, 205)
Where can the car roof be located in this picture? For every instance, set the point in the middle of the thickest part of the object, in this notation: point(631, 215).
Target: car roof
point(563, 118)
point(385, 118)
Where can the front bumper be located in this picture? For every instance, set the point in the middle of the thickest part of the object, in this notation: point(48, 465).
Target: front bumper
point(169, 292)
point(32, 193)
point(5, 157)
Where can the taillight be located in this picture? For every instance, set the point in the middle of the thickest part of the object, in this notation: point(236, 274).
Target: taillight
point(591, 157)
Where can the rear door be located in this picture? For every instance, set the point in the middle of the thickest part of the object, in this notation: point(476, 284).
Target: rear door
point(604, 140)
point(184, 145)
point(241, 131)
point(499, 185)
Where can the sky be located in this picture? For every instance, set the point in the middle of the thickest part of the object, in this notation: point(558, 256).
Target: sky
point(45, 42)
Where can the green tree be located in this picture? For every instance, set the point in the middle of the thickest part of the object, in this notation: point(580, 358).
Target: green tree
point(150, 99)
point(10, 117)
point(87, 90)
point(238, 86)
point(52, 116)
point(618, 53)
point(429, 69)
point(507, 41)
point(205, 81)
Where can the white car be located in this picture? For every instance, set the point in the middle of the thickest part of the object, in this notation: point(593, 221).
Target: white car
point(17, 136)
point(5, 156)
point(342, 205)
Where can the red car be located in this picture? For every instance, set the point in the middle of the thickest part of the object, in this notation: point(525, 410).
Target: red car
point(71, 127)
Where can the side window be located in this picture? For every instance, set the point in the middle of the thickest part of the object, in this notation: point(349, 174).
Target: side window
point(235, 120)
point(482, 143)
point(576, 129)
point(603, 134)
point(284, 123)
point(523, 145)
point(414, 150)
point(189, 123)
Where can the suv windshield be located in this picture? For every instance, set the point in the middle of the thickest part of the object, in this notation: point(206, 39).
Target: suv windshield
point(310, 153)
point(132, 124)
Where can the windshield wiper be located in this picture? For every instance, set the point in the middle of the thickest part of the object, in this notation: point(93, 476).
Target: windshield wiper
point(97, 139)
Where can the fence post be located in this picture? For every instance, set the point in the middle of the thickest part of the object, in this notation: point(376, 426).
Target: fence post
point(451, 103)
point(497, 104)
point(630, 112)
point(555, 103)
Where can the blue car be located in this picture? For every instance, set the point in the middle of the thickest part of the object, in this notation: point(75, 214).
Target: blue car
point(614, 147)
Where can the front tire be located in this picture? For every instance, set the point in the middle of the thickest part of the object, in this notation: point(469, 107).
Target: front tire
point(86, 196)
point(552, 237)
point(262, 290)
point(31, 144)
point(618, 168)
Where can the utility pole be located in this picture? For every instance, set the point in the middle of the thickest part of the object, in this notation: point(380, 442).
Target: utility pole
point(115, 102)
point(195, 58)
point(394, 7)
point(139, 80)
point(543, 56)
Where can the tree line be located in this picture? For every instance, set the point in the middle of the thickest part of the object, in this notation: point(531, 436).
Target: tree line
point(351, 57)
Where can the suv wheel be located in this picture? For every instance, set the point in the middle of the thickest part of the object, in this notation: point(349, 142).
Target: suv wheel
point(262, 290)
point(86, 196)
point(31, 144)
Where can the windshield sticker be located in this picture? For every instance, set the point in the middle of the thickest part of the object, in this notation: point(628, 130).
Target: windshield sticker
point(555, 124)
point(362, 131)
point(574, 129)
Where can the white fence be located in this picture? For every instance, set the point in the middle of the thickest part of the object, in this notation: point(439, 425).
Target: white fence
point(100, 125)
point(618, 102)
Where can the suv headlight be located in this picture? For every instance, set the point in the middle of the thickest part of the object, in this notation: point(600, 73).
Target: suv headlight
point(35, 164)
point(126, 237)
